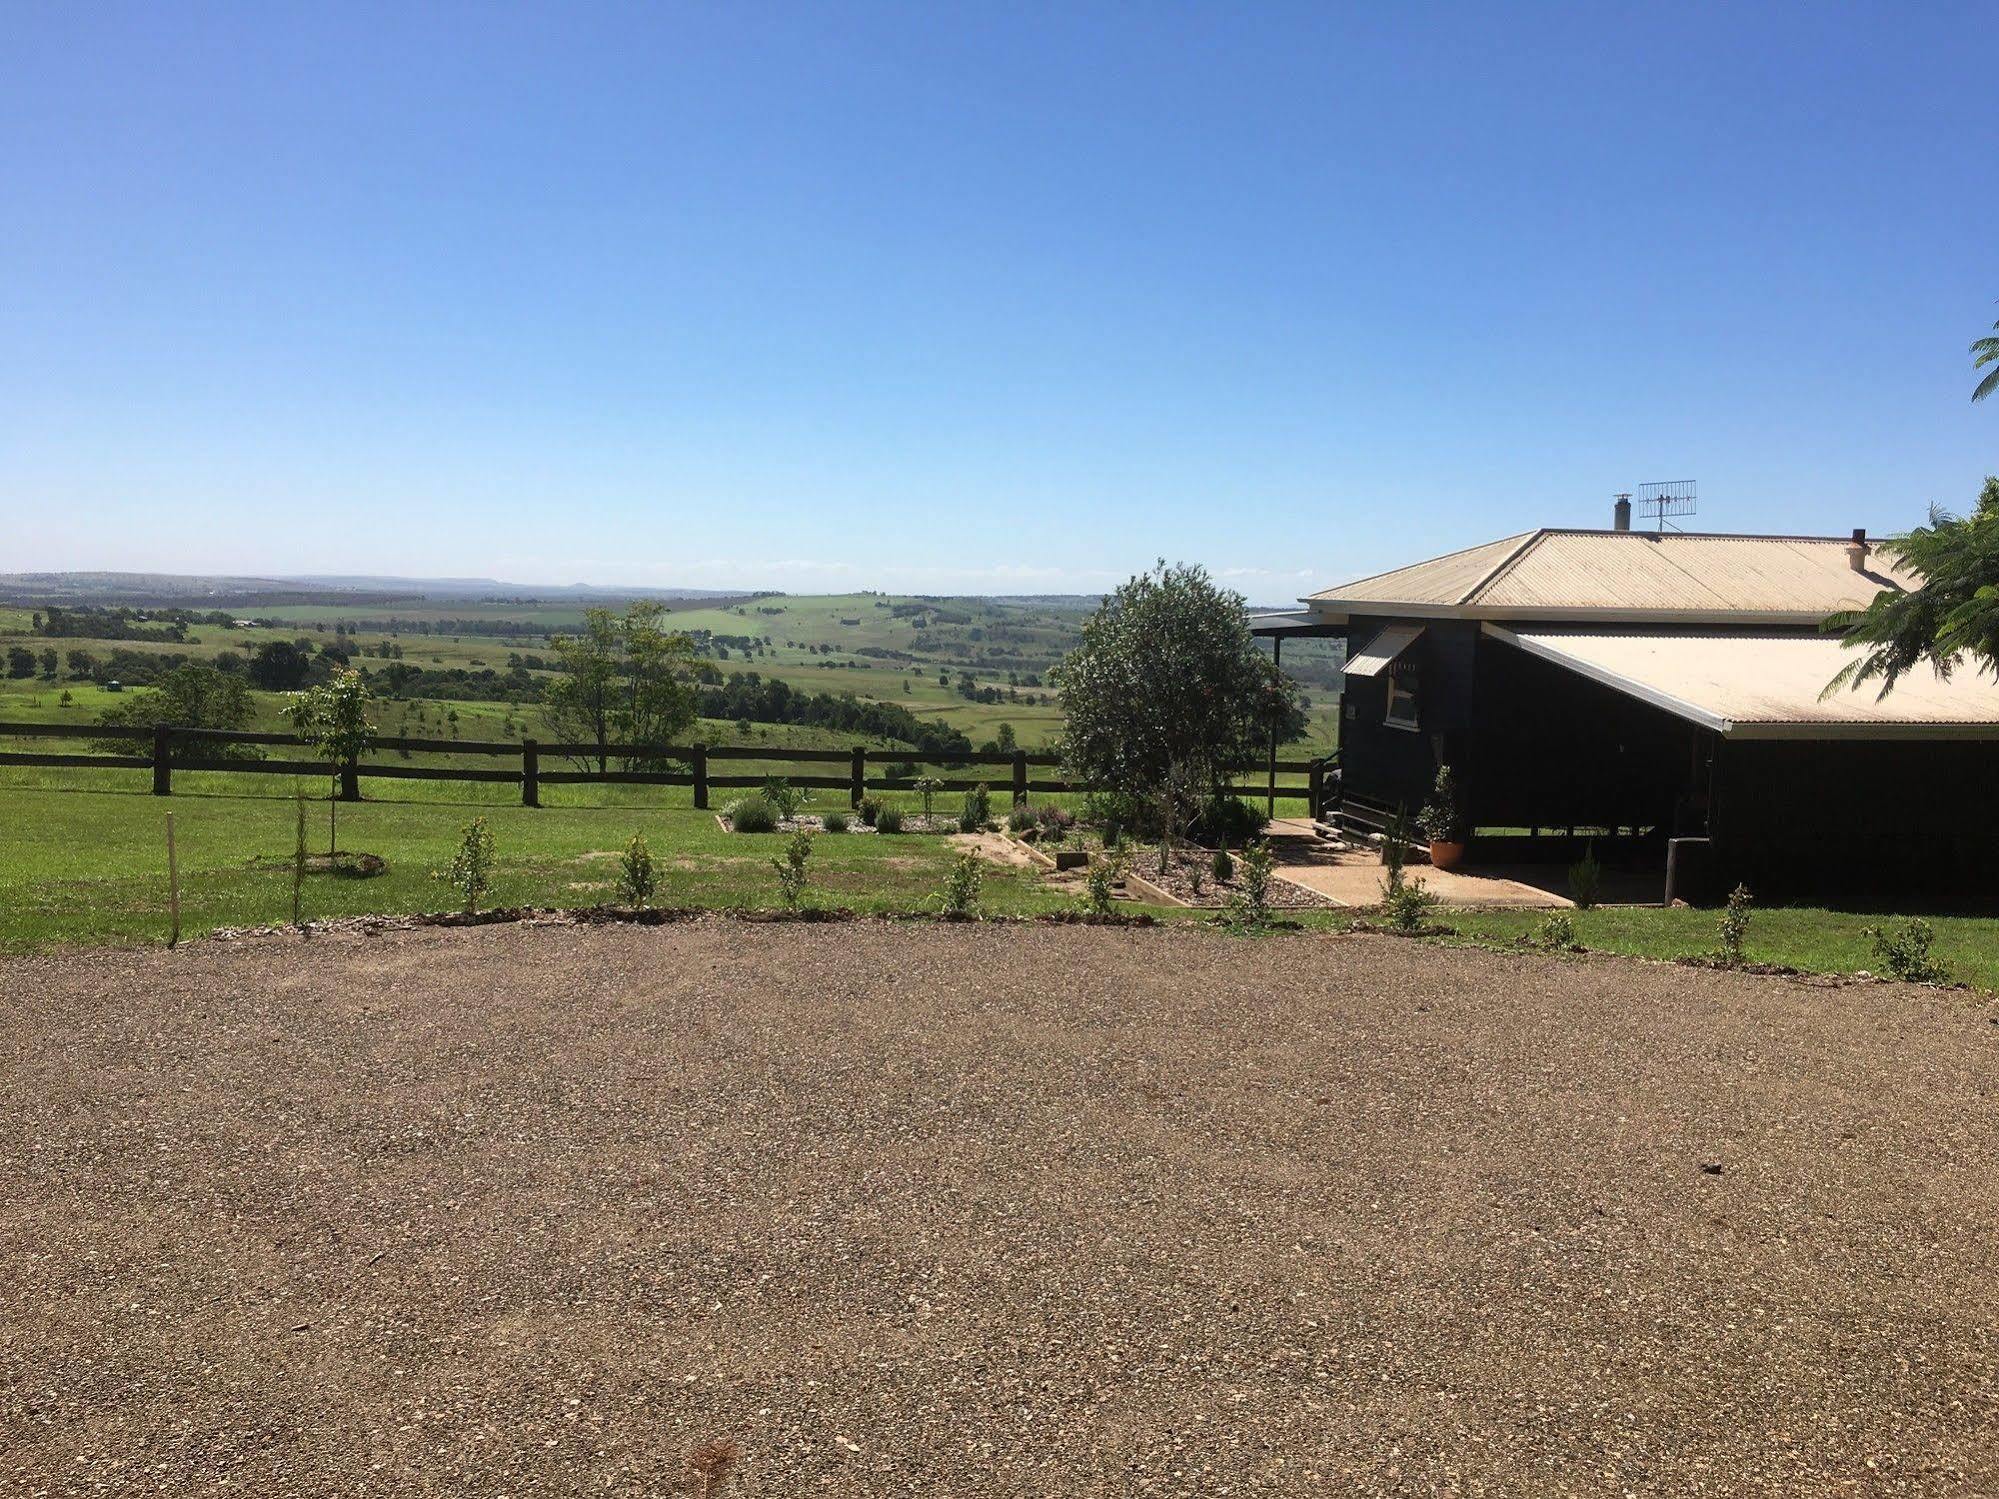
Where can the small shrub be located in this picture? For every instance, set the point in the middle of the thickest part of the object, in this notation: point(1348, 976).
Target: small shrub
point(888, 820)
point(960, 896)
point(783, 796)
point(1100, 882)
point(834, 822)
point(471, 869)
point(927, 787)
point(790, 867)
point(636, 877)
point(1407, 902)
point(753, 814)
point(1020, 819)
point(871, 807)
point(1197, 879)
point(1248, 909)
point(1442, 817)
point(977, 811)
point(1228, 819)
point(1054, 819)
point(1395, 837)
point(1735, 924)
point(1558, 932)
point(1222, 866)
point(1902, 950)
point(1586, 880)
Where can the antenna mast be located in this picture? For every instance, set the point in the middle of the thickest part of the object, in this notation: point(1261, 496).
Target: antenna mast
point(1667, 497)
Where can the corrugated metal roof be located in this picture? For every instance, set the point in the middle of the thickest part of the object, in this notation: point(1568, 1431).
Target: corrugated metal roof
point(1632, 573)
point(1763, 686)
point(1441, 580)
point(1383, 649)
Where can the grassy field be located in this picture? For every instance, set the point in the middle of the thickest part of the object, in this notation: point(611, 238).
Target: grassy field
point(837, 644)
point(82, 862)
point(84, 866)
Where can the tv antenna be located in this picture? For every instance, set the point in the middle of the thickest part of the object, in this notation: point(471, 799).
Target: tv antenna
point(1666, 498)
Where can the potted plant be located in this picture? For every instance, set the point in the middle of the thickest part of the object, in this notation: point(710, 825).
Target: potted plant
point(1443, 820)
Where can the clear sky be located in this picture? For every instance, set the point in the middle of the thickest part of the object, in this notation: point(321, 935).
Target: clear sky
point(1008, 298)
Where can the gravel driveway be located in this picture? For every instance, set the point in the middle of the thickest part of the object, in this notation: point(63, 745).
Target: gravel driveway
point(915, 1209)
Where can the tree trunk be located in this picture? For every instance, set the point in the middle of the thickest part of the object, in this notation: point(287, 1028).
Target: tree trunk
point(333, 819)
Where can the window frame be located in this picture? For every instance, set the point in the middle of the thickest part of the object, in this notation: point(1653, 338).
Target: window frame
point(1412, 694)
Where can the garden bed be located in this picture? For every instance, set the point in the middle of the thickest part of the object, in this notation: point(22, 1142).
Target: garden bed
point(814, 822)
point(1178, 881)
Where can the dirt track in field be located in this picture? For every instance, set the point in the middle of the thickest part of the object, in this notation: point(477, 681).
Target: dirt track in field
point(923, 1209)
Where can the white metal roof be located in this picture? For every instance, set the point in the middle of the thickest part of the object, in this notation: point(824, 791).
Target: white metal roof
point(1766, 686)
point(1629, 575)
point(1375, 657)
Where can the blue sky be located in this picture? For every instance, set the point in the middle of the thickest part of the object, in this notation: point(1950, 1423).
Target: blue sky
point(1005, 299)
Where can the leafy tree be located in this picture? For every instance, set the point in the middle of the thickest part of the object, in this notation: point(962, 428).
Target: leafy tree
point(333, 719)
point(81, 664)
point(1954, 614)
point(1985, 351)
point(280, 666)
point(20, 661)
point(48, 660)
point(191, 696)
point(1168, 692)
point(625, 678)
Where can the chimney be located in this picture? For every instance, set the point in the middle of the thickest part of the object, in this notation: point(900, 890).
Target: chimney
point(1856, 550)
point(1620, 513)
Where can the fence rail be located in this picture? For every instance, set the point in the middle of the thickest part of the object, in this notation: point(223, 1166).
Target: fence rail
point(691, 763)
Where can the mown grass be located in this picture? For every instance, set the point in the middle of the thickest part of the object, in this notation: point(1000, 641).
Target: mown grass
point(83, 862)
point(88, 866)
point(1811, 938)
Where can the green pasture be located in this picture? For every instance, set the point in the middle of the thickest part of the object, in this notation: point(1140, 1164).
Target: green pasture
point(85, 865)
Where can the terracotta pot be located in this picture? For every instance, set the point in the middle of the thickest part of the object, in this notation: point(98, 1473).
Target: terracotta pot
point(1446, 855)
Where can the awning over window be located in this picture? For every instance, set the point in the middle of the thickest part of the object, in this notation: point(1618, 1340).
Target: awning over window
point(1381, 651)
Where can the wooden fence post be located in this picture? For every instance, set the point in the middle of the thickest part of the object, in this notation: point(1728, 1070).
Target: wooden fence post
point(350, 780)
point(1020, 778)
point(163, 765)
point(701, 777)
point(530, 773)
point(858, 781)
point(1315, 788)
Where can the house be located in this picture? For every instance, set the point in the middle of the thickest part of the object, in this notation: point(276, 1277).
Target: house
point(1641, 688)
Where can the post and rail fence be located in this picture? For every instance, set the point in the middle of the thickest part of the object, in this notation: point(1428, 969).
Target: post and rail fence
point(693, 764)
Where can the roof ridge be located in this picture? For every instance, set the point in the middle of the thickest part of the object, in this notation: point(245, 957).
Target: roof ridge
point(1440, 557)
point(1506, 563)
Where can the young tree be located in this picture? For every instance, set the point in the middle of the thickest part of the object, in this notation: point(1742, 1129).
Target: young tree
point(1168, 692)
point(1953, 615)
point(333, 719)
point(624, 678)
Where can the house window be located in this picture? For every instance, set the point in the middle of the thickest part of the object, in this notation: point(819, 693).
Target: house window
point(1402, 698)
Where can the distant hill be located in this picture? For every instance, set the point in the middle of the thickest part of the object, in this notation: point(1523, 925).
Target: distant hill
point(499, 591)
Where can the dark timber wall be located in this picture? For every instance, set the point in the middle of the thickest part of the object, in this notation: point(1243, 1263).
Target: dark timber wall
point(1555, 749)
point(1833, 819)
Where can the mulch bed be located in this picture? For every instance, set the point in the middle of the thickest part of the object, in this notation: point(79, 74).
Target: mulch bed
point(1178, 882)
point(814, 822)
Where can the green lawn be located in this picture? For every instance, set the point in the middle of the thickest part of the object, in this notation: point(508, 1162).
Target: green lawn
point(88, 866)
point(1806, 937)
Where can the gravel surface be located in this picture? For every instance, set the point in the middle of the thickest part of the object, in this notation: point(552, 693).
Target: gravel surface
point(955, 1210)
